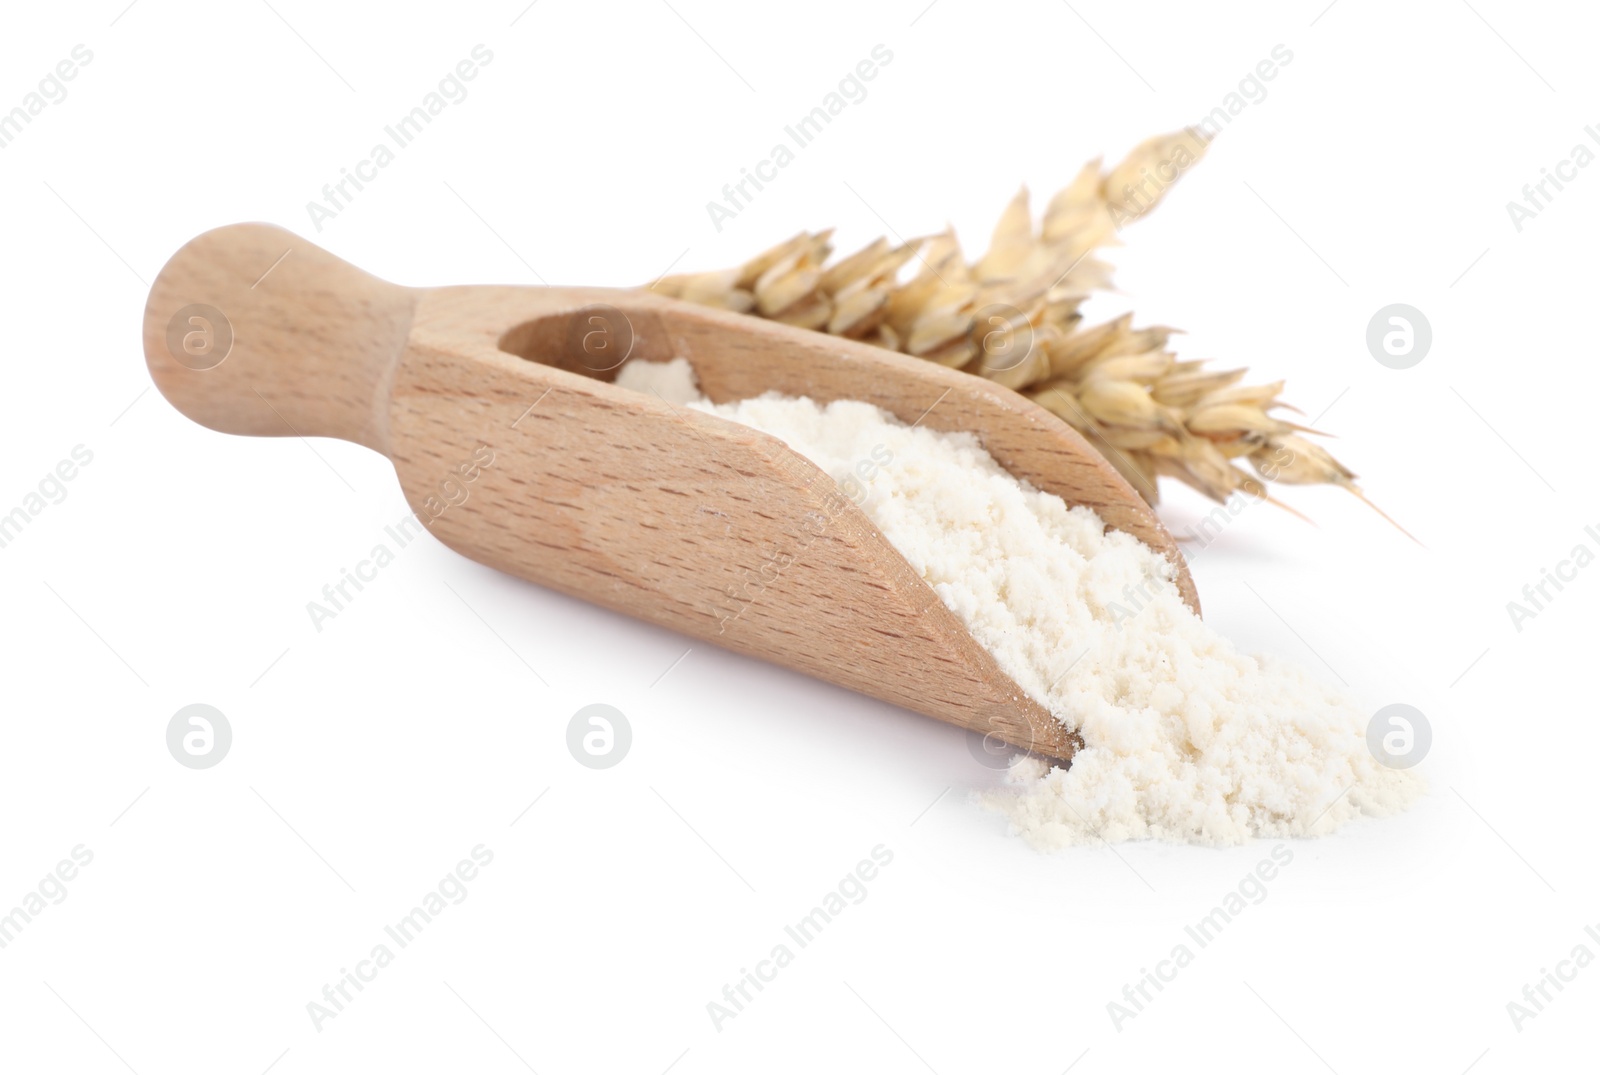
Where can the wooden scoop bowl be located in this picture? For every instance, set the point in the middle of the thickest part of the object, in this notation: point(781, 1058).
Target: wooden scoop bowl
point(673, 516)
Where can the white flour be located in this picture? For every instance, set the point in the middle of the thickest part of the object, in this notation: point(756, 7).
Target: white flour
point(1186, 738)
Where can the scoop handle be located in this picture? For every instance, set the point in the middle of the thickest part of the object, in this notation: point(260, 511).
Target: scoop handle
point(251, 329)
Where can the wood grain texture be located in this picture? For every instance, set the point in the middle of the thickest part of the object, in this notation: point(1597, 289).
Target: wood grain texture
point(511, 444)
point(315, 339)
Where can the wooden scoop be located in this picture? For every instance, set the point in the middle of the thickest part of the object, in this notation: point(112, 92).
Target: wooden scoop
point(501, 395)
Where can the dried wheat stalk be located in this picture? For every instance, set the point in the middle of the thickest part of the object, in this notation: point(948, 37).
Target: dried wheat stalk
point(1013, 316)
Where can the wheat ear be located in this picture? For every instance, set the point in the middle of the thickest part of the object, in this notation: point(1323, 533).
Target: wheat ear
point(1013, 316)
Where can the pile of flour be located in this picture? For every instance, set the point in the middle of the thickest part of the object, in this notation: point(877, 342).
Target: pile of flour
point(1186, 739)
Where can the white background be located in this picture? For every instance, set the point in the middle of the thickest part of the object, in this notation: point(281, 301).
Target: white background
point(370, 757)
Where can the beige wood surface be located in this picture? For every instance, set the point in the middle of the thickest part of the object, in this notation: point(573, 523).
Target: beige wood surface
point(666, 514)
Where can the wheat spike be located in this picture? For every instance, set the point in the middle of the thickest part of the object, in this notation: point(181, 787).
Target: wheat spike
point(1013, 316)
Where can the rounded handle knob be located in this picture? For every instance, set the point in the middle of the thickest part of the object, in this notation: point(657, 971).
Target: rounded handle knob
point(251, 329)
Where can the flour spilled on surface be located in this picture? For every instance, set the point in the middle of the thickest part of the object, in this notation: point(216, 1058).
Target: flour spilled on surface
point(1186, 739)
